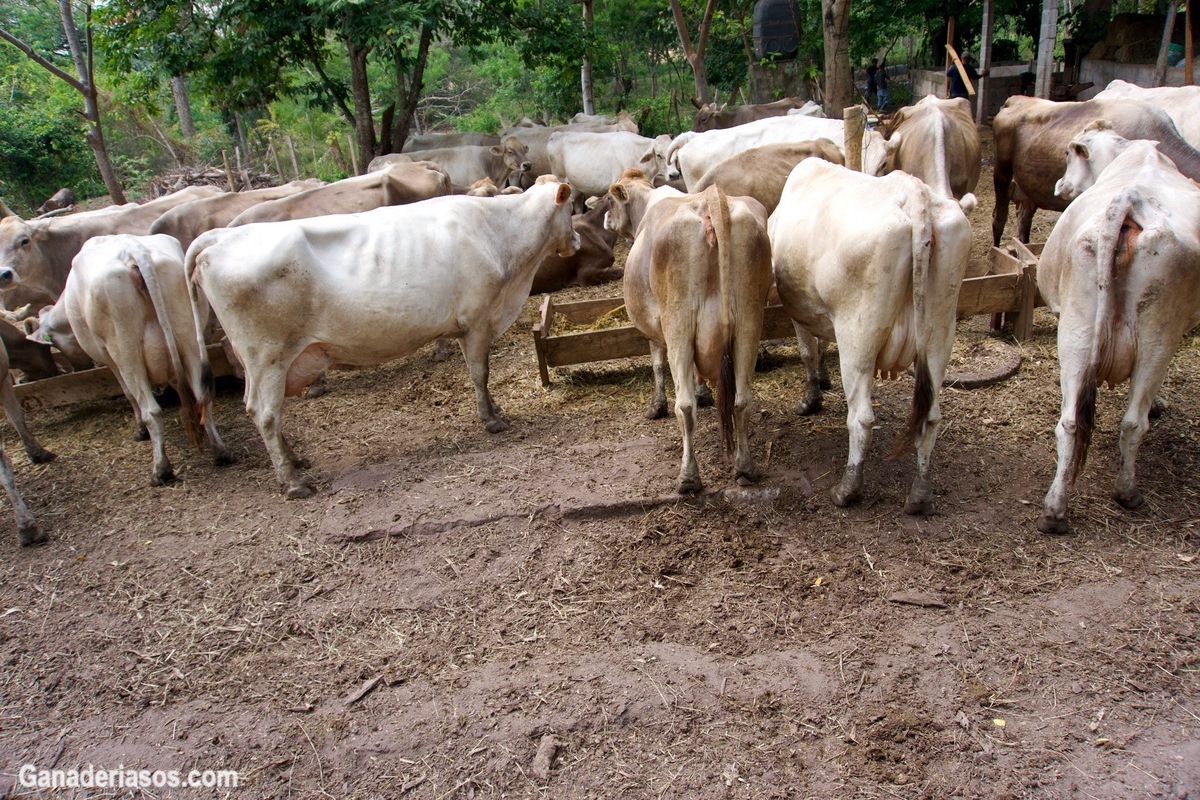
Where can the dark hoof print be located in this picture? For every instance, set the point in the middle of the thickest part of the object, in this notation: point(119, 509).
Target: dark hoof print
point(1054, 527)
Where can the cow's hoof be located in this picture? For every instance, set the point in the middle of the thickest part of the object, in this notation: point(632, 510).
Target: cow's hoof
point(918, 508)
point(704, 396)
point(497, 425)
point(32, 535)
point(1158, 408)
point(224, 458)
point(749, 476)
point(690, 484)
point(824, 382)
point(140, 434)
point(163, 477)
point(843, 497)
point(301, 490)
point(809, 407)
point(1052, 525)
point(1130, 500)
point(41, 456)
point(656, 410)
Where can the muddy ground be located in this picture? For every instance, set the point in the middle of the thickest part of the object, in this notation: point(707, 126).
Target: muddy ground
point(463, 615)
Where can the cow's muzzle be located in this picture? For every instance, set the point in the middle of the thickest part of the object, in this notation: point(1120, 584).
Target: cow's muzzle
point(572, 248)
point(525, 166)
point(1065, 190)
point(8, 277)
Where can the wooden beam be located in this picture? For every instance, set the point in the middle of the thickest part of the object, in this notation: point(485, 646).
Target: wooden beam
point(855, 120)
point(1160, 66)
point(949, 43)
point(962, 71)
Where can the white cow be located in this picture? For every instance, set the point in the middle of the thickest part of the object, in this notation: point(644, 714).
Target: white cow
point(126, 306)
point(468, 163)
point(1120, 270)
point(537, 137)
point(693, 154)
point(591, 162)
point(298, 297)
point(875, 264)
point(654, 163)
point(1182, 104)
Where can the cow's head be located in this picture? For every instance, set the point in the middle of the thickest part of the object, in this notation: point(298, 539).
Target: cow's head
point(19, 250)
point(628, 202)
point(54, 328)
point(515, 154)
point(1088, 154)
point(653, 162)
point(707, 117)
point(874, 153)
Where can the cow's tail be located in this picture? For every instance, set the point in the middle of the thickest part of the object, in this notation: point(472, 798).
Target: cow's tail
point(920, 212)
point(201, 314)
point(144, 264)
point(718, 213)
point(1108, 244)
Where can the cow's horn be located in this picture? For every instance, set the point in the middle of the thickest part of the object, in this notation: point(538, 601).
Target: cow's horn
point(5, 211)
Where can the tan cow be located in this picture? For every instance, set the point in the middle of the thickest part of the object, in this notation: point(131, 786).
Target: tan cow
point(187, 221)
point(28, 531)
point(37, 254)
point(126, 305)
point(761, 172)
point(1120, 270)
point(35, 360)
point(434, 141)
point(874, 264)
point(397, 185)
point(710, 117)
point(696, 282)
point(936, 141)
point(468, 163)
point(1031, 138)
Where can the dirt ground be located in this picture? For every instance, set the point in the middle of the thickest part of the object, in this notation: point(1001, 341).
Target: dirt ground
point(464, 615)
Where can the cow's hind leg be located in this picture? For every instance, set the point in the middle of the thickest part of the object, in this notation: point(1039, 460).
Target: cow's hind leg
point(265, 390)
point(1147, 376)
point(28, 532)
point(1073, 363)
point(658, 404)
point(812, 354)
point(683, 365)
point(858, 375)
point(16, 415)
point(920, 496)
point(745, 356)
point(136, 386)
point(476, 349)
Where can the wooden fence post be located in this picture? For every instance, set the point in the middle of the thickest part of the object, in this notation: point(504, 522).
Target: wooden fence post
point(855, 120)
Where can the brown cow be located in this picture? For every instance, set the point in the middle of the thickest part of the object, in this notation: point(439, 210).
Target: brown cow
point(187, 221)
point(34, 360)
point(696, 282)
point(63, 198)
point(1031, 149)
point(936, 141)
point(592, 263)
point(394, 186)
point(37, 254)
point(710, 117)
point(761, 172)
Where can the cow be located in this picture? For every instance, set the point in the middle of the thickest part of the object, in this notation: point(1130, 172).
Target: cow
point(696, 284)
point(298, 297)
point(1119, 269)
point(1182, 103)
point(875, 264)
point(536, 138)
point(654, 163)
point(126, 306)
point(35, 256)
point(396, 185)
point(435, 141)
point(710, 117)
point(591, 162)
point(28, 531)
point(1031, 137)
point(936, 140)
point(35, 360)
point(592, 262)
point(693, 154)
point(761, 172)
point(469, 163)
point(186, 222)
point(63, 198)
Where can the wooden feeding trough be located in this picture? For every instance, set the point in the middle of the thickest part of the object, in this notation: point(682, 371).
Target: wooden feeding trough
point(1009, 293)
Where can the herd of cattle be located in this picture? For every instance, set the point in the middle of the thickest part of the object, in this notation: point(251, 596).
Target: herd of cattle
point(447, 240)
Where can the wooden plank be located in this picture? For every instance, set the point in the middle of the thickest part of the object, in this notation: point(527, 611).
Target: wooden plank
point(1023, 321)
point(583, 312)
point(989, 295)
point(962, 71)
point(1003, 263)
point(93, 384)
point(541, 330)
point(1028, 253)
point(588, 346)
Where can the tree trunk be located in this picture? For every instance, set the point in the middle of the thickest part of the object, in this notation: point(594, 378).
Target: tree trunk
point(364, 122)
point(695, 56)
point(585, 72)
point(408, 89)
point(183, 106)
point(839, 86)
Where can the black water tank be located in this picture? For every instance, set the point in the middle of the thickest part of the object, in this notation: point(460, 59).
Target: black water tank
point(776, 29)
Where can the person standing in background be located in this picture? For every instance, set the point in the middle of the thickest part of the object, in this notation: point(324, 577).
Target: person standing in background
point(881, 79)
point(872, 80)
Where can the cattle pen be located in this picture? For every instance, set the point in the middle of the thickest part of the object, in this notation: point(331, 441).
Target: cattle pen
point(1008, 293)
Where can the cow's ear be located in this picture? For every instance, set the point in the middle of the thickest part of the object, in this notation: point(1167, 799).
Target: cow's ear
point(1080, 149)
point(592, 202)
point(563, 194)
point(497, 150)
point(40, 336)
point(618, 192)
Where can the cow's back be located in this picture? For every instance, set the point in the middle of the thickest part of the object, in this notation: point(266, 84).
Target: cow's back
point(761, 172)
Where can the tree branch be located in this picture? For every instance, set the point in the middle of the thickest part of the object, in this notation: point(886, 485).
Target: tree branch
point(314, 58)
point(42, 62)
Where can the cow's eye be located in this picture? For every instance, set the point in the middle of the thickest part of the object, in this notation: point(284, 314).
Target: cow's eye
point(23, 241)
